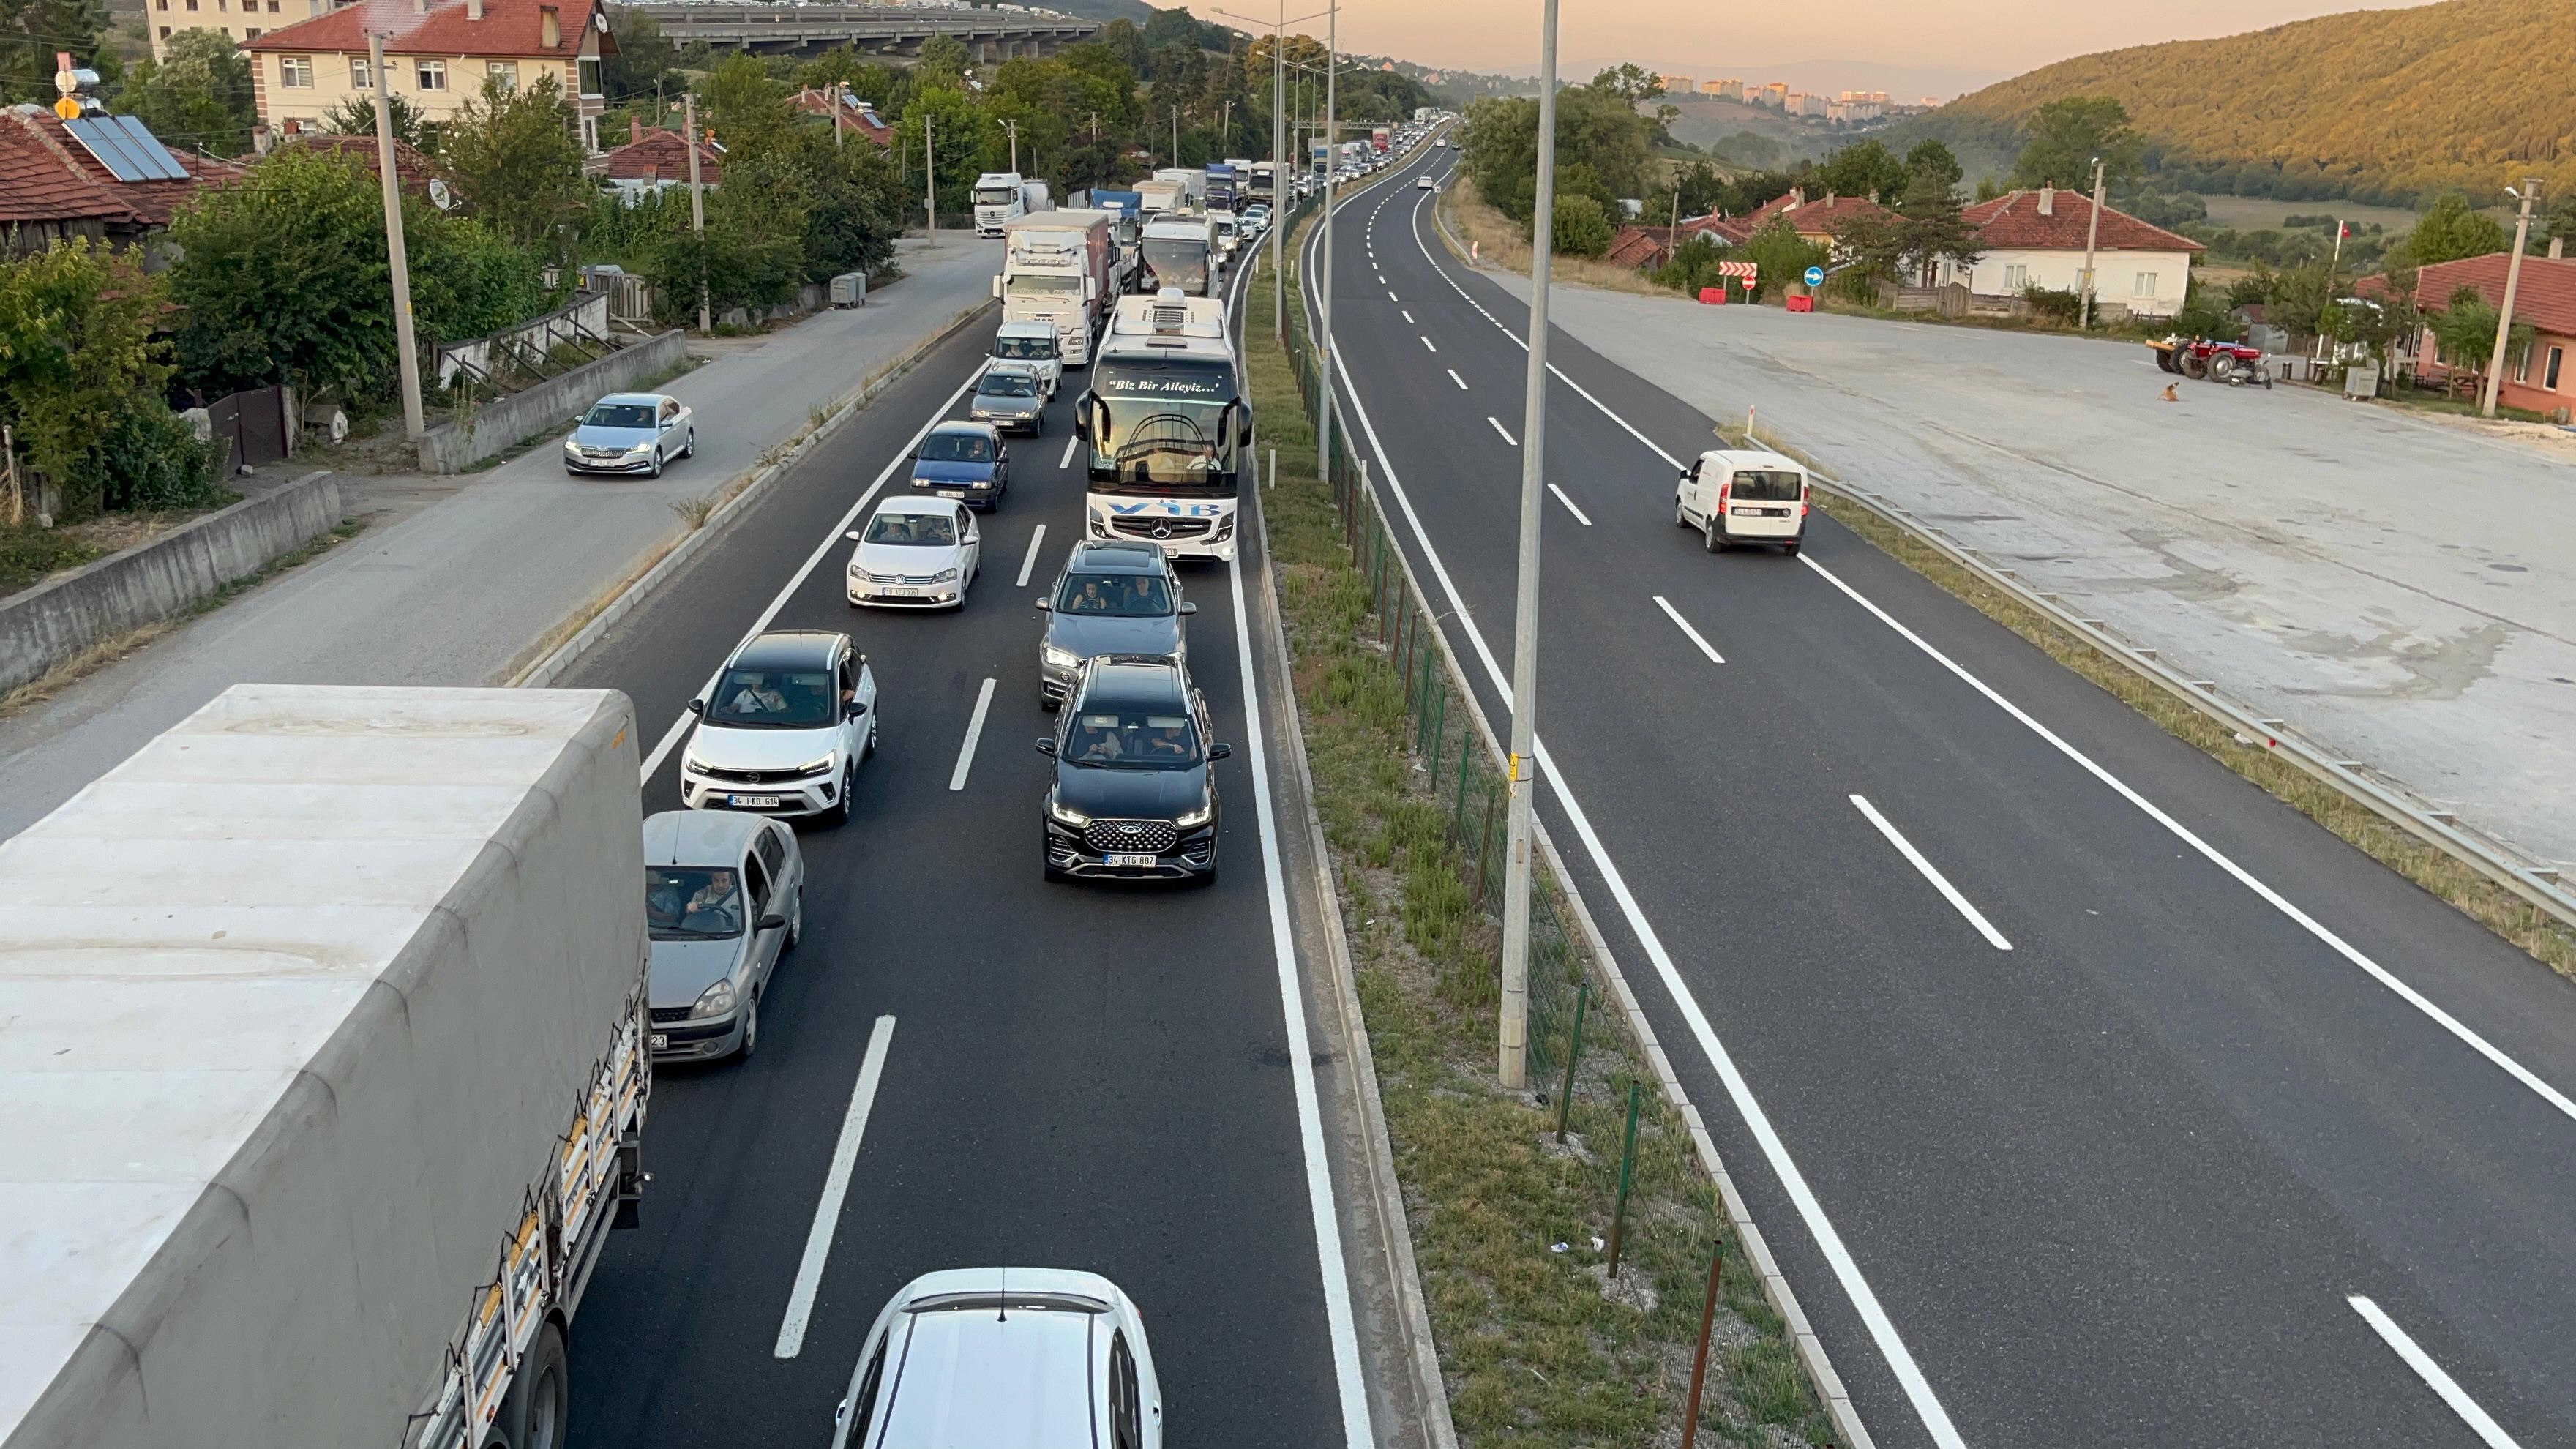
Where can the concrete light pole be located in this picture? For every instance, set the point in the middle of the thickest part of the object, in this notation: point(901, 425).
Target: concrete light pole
point(2092, 234)
point(406, 346)
point(697, 201)
point(1332, 67)
point(1524, 771)
point(929, 178)
point(1278, 158)
point(2529, 193)
point(1014, 128)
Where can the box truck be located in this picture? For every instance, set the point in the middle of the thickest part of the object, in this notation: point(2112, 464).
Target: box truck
point(325, 1071)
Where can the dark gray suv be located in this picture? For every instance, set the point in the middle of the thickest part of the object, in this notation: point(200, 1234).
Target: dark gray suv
point(1113, 598)
point(1135, 777)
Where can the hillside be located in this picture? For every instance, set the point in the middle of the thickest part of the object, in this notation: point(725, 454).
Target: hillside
point(2379, 105)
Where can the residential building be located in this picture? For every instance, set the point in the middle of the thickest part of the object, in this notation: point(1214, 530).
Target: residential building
point(413, 169)
point(242, 21)
point(2036, 239)
point(1814, 221)
point(1849, 112)
point(1679, 85)
point(1775, 95)
point(439, 55)
point(655, 160)
point(844, 109)
point(53, 189)
point(2540, 376)
point(1652, 246)
point(1724, 90)
point(1810, 104)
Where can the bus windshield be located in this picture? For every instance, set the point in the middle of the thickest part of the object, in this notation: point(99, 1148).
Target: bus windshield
point(1165, 426)
point(1178, 262)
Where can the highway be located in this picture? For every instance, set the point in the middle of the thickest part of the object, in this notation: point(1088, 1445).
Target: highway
point(2088, 1095)
point(974, 1066)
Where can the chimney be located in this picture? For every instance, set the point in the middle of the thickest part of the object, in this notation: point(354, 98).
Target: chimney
point(2047, 200)
point(1829, 198)
point(549, 25)
point(634, 129)
point(473, 9)
point(2557, 247)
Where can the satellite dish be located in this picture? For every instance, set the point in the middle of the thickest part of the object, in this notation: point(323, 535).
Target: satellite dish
point(440, 196)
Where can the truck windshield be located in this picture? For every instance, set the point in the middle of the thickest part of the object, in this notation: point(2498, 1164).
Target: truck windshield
point(692, 903)
point(1765, 485)
point(1165, 426)
point(995, 196)
point(1178, 262)
point(1028, 284)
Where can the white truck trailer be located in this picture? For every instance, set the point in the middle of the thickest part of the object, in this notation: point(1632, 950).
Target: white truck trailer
point(1060, 267)
point(324, 1062)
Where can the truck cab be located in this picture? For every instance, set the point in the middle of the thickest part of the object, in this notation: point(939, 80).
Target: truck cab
point(999, 200)
point(1182, 252)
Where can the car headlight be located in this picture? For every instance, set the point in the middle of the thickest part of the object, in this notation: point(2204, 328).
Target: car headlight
point(1063, 815)
point(1059, 658)
point(821, 765)
point(639, 450)
point(693, 764)
point(717, 1000)
point(1192, 819)
point(944, 576)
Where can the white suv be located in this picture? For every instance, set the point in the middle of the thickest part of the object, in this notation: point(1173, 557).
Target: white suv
point(1028, 1356)
point(783, 732)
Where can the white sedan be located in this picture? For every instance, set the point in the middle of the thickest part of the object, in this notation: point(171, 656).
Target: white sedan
point(916, 553)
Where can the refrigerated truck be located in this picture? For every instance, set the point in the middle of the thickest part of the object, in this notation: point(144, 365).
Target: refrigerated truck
point(1060, 267)
point(325, 1068)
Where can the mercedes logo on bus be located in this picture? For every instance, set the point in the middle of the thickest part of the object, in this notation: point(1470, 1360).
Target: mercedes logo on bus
point(1162, 530)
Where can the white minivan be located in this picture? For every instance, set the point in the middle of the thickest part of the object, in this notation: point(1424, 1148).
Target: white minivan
point(1735, 495)
point(1035, 346)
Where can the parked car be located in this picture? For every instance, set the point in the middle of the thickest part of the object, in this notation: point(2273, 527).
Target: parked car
point(1737, 496)
point(724, 898)
point(1135, 777)
point(1118, 598)
point(915, 553)
point(1010, 397)
point(631, 432)
point(1019, 1356)
point(1035, 344)
point(965, 461)
point(792, 716)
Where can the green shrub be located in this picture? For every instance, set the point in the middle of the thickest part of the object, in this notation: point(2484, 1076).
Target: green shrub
point(2051, 305)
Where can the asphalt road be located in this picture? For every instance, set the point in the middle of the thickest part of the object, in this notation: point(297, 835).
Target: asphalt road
point(1083, 1077)
point(2103, 1152)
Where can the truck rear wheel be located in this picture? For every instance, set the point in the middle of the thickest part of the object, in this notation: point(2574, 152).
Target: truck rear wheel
point(535, 1413)
point(2165, 359)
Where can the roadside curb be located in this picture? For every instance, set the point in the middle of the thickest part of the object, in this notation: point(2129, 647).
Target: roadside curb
point(739, 491)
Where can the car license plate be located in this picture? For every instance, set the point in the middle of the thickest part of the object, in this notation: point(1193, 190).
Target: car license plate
point(756, 802)
point(899, 593)
point(659, 1042)
point(952, 492)
point(1140, 862)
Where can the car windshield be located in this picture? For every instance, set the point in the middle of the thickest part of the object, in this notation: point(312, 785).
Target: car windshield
point(925, 530)
point(1025, 348)
point(773, 699)
point(619, 415)
point(1132, 739)
point(1122, 596)
point(692, 903)
point(1007, 384)
point(1765, 484)
point(957, 448)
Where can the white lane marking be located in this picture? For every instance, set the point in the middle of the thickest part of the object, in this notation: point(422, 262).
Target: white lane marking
point(2457, 1028)
point(1408, 316)
point(1390, 296)
point(1030, 563)
point(1579, 515)
point(1427, 343)
point(1498, 427)
point(1829, 1242)
point(1684, 625)
point(2244, 877)
point(974, 732)
point(1454, 377)
point(1069, 445)
point(2488, 1430)
point(1932, 873)
point(836, 1186)
point(671, 737)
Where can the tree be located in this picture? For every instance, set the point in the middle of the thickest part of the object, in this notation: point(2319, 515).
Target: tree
point(516, 164)
point(356, 116)
point(81, 377)
point(944, 60)
point(1601, 149)
point(2465, 331)
point(958, 131)
point(1779, 254)
point(1581, 227)
point(1865, 168)
point(1930, 158)
point(198, 97)
point(1911, 241)
point(1694, 266)
point(742, 105)
point(1629, 82)
point(643, 60)
point(2449, 231)
point(855, 210)
point(2062, 138)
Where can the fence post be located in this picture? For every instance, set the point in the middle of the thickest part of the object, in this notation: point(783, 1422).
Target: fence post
point(1573, 1051)
point(1627, 1168)
point(1466, 763)
point(1485, 846)
point(1699, 1360)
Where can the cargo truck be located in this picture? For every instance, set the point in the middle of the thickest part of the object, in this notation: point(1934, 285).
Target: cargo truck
point(1222, 181)
point(1192, 183)
point(1003, 196)
point(1127, 229)
point(326, 1075)
point(1059, 267)
point(1380, 138)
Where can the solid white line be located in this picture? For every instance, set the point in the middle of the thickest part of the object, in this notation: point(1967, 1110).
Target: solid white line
point(1933, 874)
point(830, 541)
point(1829, 1242)
point(1427, 343)
point(2487, 1429)
point(1498, 427)
point(836, 1186)
point(1408, 316)
point(1454, 377)
point(974, 732)
point(1684, 625)
point(1027, 565)
point(1579, 515)
point(1069, 445)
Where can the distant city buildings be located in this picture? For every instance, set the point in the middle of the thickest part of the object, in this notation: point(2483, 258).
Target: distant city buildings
point(1724, 90)
point(1678, 85)
point(1850, 108)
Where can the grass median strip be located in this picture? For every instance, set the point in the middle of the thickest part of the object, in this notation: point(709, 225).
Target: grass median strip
point(1538, 1345)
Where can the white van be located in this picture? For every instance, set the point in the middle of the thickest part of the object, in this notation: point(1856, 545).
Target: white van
point(1033, 345)
point(1740, 495)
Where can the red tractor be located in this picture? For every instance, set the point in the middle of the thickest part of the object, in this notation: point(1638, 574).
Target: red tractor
point(2232, 363)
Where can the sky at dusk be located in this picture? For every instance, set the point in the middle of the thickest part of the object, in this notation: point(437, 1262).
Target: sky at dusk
point(1941, 47)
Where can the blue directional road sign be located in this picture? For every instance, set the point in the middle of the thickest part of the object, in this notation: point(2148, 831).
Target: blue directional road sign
point(1815, 276)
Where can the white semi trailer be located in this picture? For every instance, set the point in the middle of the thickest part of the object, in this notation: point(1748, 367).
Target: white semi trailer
point(321, 1039)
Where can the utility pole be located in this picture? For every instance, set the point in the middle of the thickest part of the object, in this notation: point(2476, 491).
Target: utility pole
point(2092, 234)
point(2529, 193)
point(1278, 179)
point(1524, 771)
point(697, 203)
point(1176, 135)
point(406, 346)
point(1014, 128)
point(1324, 424)
point(929, 177)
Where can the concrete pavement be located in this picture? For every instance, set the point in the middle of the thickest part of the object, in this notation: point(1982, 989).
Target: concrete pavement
point(2396, 588)
point(460, 584)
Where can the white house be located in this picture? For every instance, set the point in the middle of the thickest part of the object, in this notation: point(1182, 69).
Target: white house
point(2036, 239)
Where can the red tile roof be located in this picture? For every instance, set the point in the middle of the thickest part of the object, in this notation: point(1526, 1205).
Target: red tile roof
point(1652, 246)
point(858, 116)
point(1811, 218)
point(2545, 297)
point(2014, 221)
point(48, 177)
point(511, 29)
point(411, 167)
point(664, 156)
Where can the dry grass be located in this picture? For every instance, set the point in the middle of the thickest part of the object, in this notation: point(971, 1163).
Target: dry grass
point(1504, 244)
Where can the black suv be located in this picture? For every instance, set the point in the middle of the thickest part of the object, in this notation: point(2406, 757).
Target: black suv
point(1135, 788)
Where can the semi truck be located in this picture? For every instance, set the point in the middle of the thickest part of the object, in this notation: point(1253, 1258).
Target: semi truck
point(1192, 182)
point(1380, 139)
point(1059, 267)
point(1223, 183)
point(1127, 229)
point(1265, 182)
point(326, 1068)
point(1182, 252)
point(1003, 196)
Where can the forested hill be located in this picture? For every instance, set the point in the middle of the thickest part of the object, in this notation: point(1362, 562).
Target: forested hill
point(2379, 105)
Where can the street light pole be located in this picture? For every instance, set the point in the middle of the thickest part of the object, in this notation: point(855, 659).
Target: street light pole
point(697, 202)
point(2529, 193)
point(1332, 68)
point(1278, 160)
point(1014, 128)
point(2092, 234)
point(406, 346)
point(1516, 862)
point(929, 178)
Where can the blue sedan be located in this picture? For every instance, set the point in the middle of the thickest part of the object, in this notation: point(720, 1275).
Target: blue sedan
point(631, 432)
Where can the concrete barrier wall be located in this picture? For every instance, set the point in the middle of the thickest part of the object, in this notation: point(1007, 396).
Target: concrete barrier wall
point(501, 424)
point(53, 622)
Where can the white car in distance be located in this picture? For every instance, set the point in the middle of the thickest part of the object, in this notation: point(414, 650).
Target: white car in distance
point(915, 553)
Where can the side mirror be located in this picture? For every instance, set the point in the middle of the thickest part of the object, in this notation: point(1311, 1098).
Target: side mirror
point(852, 535)
point(697, 706)
point(856, 708)
point(1044, 604)
point(1082, 417)
point(1090, 288)
point(1046, 747)
point(1189, 608)
point(997, 286)
point(771, 923)
point(1220, 752)
point(1686, 474)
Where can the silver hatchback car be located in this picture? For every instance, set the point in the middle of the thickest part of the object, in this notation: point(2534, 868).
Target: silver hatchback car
point(724, 898)
point(1035, 1358)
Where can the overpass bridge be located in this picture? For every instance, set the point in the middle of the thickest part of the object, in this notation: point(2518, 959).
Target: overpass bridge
point(991, 33)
